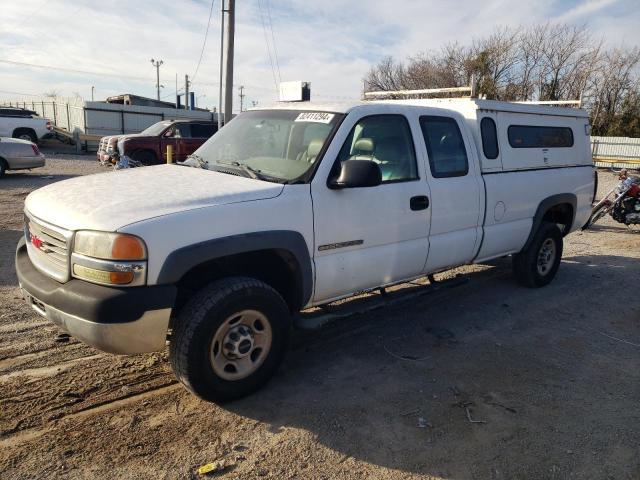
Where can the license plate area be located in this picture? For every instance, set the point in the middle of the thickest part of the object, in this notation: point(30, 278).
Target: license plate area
point(36, 304)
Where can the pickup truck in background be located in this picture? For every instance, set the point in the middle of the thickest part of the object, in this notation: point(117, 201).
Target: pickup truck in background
point(297, 206)
point(23, 124)
point(150, 146)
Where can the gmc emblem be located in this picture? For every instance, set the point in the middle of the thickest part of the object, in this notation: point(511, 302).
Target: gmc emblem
point(36, 242)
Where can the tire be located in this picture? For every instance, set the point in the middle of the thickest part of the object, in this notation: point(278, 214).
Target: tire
point(203, 332)
point(538, 264)
point(25, 134)
point(3, 167)
point(145, 157)
point(597, 214)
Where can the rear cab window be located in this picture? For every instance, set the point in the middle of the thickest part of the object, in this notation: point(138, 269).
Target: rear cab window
point(202, 130)
point(445, 146)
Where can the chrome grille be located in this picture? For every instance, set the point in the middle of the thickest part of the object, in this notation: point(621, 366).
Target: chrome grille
point(48, 247)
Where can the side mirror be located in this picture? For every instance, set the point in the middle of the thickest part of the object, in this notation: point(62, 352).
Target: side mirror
point(357, 173)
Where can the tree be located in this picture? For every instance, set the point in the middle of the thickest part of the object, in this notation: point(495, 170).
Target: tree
point(542, 62)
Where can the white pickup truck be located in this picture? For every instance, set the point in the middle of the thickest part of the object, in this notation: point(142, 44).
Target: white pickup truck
point(23, 124)
point(295, 206)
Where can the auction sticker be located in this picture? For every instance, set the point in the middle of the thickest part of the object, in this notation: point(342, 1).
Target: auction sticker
point(318, 117)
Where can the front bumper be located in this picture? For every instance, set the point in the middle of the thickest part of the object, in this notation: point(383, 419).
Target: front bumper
point(116, 320)
point(105, 158)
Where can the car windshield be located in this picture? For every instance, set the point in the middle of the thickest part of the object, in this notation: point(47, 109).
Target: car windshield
point(155, 129)
point(275, 145)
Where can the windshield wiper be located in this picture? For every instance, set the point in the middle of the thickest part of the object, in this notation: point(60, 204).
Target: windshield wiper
point(252, 172)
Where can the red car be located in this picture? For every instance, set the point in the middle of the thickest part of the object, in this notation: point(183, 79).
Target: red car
point(150, 146)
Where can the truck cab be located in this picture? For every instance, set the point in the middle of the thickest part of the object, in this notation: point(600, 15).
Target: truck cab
point(295, 206)
point(149, 147)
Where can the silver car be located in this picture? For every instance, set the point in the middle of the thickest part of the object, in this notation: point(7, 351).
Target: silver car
point(16, 154)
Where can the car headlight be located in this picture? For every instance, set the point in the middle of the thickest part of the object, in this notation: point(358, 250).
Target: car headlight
point(109, 258)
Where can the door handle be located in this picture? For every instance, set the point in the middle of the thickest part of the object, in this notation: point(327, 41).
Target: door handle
point(421, 202)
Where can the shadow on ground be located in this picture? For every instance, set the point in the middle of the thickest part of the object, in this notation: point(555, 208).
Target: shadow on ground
point(9, 241)
point(544, 369)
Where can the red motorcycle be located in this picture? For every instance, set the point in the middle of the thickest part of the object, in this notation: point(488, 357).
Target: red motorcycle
point(622, 202)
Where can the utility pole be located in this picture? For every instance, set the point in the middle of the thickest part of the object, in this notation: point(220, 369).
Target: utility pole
point(186, 92)
point(222, 10)
point(157, 63)
point(228, 87)
point(242, 95)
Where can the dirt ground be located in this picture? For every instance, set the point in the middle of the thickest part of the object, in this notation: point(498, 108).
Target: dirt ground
point(479, 378)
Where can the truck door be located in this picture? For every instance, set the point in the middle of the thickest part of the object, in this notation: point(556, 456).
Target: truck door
point(166, 139)
point(367, 237)
point(186, 144)
point(456, 193)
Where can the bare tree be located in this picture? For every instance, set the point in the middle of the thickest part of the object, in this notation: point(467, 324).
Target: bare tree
point(543, 62)
point(387, 75)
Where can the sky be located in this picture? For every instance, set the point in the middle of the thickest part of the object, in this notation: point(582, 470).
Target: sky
point(331, 43)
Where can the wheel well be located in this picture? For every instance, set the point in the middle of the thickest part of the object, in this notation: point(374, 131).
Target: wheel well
point(17, 131)
point(561, 214)
point(144, 150)
point(277, 268)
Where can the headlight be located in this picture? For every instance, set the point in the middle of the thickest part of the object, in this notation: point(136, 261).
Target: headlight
point(109, 258)
point(109, 246)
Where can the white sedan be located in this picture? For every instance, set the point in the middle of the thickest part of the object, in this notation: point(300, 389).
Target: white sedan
point(16, 154)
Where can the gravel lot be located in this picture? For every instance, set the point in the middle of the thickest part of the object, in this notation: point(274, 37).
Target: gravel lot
point(553, 375)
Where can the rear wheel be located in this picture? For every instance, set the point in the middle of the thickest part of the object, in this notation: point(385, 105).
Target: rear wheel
point(230, 338)
point(3, 167)
point(144, 157)
point(25, 134)
point(538, 264)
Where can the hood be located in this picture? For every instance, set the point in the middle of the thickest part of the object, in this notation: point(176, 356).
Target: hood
point(133, 135)
point(109, 201)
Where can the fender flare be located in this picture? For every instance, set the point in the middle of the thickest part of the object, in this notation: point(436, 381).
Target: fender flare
point(544, 206)
point(180, 261)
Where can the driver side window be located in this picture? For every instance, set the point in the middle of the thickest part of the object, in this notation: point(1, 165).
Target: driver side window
point(386, 140)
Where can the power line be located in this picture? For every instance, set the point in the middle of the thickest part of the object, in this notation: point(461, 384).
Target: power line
point(73, 70)
point(19, 93)
point(204, 43)
point(273, 39)
point(266, 41)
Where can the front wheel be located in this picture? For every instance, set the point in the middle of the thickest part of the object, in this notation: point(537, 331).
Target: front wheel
point(598, 212)
point(538, 264)
point(230, 338)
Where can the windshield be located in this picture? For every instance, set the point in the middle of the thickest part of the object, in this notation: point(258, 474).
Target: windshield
point(155, 129)
point(276, 145)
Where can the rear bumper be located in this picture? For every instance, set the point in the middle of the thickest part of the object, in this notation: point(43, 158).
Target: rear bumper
point(116, 320)
point(21, 163)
